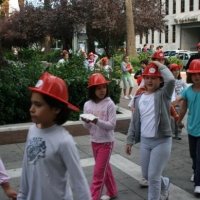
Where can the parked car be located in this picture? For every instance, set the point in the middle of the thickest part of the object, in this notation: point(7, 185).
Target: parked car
point(170, 53)
point(184, 56)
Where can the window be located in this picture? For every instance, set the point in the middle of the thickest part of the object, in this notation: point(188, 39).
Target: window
point(166, 34)
point(182, 5)
point(167, 7)
point(174, 6)
point(160, 37)
point(147, 39)
point(191, 5)
point(173, 33)
point(152, 36)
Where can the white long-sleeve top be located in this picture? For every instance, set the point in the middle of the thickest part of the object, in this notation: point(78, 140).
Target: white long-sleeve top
point(50, 159)
point(103, 130)
point(3, 174)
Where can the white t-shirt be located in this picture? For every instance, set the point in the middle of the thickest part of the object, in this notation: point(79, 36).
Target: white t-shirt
point(147, 115)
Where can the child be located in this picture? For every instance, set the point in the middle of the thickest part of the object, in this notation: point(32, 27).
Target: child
point(126, 69)
point(101, 135)
point(4, 182)
point(138, 74)
point(92, 58)
point(179, 85)
point(191, 101)
point(51, 155)
point(103, 64)
point(151, 125)
point(64, 60)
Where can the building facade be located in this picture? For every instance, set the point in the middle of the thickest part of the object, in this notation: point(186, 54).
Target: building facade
point(182, 28)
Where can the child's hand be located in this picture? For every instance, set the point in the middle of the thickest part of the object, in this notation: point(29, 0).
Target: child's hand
point(9, 191)
point(94, 121)
point(181, 125)
point(11, 194)
point(128, 149)
point(85, 120)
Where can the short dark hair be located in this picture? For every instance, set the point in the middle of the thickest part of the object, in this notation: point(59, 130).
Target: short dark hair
point(144, 61)
point(91, 92)
point(64, 113)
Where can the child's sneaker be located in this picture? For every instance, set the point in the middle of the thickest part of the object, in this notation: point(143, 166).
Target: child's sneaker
point(197, 190)
point(143, 183)
point(125, 97)
point(106, 197)
point(192, 178)
point(165, 192)
point(130, 96)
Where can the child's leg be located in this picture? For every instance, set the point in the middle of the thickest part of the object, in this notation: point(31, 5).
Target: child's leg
point(160, 153)
point(197, 171)
point(192, 147)
point(102, 152)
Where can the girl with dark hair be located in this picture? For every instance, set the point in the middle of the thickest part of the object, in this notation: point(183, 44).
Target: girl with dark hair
point(101, 130)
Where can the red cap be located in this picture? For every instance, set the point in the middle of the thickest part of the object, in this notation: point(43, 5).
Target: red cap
point(175, 66)
point(194, 66)
point(151, 70)
point(54, 87)
point(97, 79)
point(158, 55)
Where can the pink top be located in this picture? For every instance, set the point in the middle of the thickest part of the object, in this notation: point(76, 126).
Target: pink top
point(103, 130)
point(3, 174)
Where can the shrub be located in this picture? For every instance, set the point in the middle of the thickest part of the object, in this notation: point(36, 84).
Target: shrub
point(15, 78)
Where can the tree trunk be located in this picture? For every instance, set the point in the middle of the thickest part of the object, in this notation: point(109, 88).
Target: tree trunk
point(21, 4)
point(130, 30)
point(47, 44)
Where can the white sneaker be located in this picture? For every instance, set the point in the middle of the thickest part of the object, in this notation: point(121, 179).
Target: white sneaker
point(106, 197)
point(125, 97)
point(165, 192)
point(143, 183)
point(131, 96)
point(197, 190)
point(192, 178)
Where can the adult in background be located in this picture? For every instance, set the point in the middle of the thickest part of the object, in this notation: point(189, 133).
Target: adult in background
point(127, 69)
point(195, 56)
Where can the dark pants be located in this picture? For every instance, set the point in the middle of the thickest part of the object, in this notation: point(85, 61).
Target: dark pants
point(194, 145)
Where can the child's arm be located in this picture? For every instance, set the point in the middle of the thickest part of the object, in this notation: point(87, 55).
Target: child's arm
point(9, 191)
point(4, 182)
point(176, 102)
point(70, 158)
point(182, 111)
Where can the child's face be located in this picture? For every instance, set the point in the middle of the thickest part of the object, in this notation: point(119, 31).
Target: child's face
point(41, 113)
point(100, 92)
point(91, 57)
point(66, 56)
point(195, 78)
point(126, 59)
point(152, 83)
point(143, 65)
point(176, 72)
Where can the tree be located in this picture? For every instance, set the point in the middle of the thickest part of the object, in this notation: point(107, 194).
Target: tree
point(130, 37)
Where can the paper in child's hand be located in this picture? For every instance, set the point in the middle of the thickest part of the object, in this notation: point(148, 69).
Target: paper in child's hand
point(91, 117)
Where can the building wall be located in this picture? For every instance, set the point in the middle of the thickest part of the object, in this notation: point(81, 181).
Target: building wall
point(187, 26)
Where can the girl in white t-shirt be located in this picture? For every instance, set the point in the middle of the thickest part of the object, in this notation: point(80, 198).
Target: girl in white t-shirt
point(179, 85)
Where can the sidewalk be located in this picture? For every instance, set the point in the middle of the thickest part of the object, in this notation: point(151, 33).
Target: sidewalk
point(126, 168)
